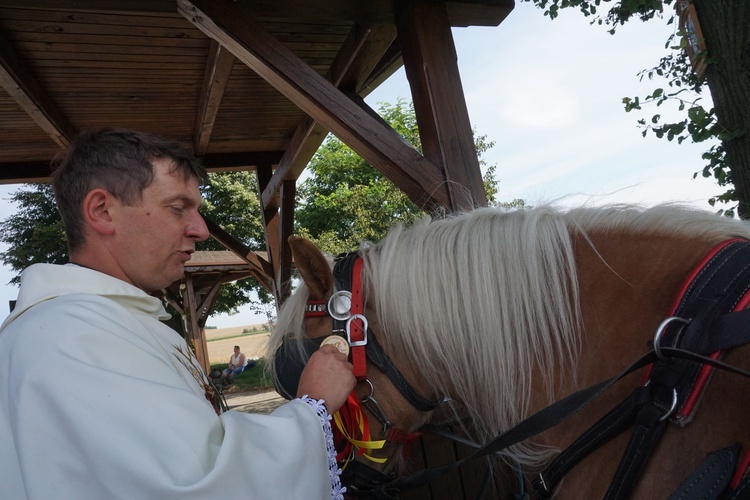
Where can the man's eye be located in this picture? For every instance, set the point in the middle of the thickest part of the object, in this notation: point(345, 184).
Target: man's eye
point(177, 209)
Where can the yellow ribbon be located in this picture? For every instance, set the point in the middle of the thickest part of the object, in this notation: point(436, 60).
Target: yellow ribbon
point(365, 443)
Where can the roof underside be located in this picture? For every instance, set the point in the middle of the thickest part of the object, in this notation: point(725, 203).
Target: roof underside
point(69, 65)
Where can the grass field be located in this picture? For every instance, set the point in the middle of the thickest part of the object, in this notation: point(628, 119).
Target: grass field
point(221, 342)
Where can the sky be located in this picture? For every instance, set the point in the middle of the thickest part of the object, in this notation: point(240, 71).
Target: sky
point(549, 95)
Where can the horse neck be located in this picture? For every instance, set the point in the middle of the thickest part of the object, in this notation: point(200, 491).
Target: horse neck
point(631, 284)
point(627, 286)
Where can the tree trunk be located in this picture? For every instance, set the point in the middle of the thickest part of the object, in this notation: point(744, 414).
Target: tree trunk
point(726, 29)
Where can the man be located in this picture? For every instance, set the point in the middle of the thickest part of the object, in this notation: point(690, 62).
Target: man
point(237, 362)
point(122, 409)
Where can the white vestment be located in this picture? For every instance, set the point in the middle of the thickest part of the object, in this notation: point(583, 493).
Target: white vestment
point(99, 399)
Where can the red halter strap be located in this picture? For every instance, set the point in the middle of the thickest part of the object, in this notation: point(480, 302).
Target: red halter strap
point(356, 326)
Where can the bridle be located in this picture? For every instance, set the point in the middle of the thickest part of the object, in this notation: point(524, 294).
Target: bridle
point(346, 307)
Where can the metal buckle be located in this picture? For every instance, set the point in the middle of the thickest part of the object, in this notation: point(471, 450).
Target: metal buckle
point(349, 333)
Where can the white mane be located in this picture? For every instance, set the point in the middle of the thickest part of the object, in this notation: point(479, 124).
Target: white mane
point(488, 294)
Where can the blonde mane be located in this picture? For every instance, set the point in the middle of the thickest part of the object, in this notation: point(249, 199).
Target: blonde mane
point(486, 296)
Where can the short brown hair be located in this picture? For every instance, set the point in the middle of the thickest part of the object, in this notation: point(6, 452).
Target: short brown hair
point(117, 160)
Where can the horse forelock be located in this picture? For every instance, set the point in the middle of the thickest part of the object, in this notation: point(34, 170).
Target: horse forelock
point(483, 298)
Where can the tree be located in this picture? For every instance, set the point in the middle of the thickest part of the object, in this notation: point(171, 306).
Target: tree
point(231, 201)
point(35, 233)
point(347, 201)
point(725, 25)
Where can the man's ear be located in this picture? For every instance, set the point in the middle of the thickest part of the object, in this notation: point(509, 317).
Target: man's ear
point(97, 211)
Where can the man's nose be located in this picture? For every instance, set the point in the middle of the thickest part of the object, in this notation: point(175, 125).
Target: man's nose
point(197, 228)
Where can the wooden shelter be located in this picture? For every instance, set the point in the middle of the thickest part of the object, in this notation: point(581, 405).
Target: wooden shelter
point(249, 85)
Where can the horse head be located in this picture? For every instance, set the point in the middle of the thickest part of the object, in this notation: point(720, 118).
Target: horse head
point(394, 398)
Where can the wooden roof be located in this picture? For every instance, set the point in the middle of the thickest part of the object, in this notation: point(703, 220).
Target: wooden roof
point(68, 65)
point(248, 85)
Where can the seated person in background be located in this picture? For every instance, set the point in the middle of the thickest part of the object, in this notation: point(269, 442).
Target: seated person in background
point(237, 362)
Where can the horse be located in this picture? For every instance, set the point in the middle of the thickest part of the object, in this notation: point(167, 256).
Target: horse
point(494, 315)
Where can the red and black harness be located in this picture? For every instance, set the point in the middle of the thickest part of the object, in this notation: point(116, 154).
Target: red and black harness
point(709, 317)
point(346, 308)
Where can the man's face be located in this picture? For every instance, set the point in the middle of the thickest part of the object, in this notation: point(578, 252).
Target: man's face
point(156, 236)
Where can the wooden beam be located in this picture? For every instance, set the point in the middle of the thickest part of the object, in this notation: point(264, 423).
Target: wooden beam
point(25, 89)
point(431, 66)
point(231, 162)
point(307, 138)
point(21, 172)
point(355, 61)
point(286, 228)
point(194, 331)
point(223, 21)
point(236, 246)
point(218, 69)
point(270, 219)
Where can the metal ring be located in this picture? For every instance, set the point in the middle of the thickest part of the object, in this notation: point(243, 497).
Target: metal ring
point(364, 330)
point(372, 388)
point(340, 305)
point(660, 332)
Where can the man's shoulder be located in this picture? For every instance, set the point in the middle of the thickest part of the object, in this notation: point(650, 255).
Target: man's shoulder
point(70, 309)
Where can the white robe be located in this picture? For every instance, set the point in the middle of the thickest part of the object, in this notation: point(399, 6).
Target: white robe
point(99, 399)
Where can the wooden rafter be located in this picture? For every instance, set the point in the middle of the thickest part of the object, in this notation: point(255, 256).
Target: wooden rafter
point(218, 69)
point(231, 26)
point(364, 45)
point(259, 263)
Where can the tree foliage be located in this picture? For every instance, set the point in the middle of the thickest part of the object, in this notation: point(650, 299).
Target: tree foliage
point(724, 122)
point(346, 200)
point(231, 201)
point(35, 233)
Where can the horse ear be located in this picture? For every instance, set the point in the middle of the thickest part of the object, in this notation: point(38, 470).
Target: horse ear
point(312, 266)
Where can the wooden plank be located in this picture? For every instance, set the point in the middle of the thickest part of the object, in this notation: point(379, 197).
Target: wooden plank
point(431, 66)
point(105, 39)
point(26, 91)
point(420, 180)
point(462, 12)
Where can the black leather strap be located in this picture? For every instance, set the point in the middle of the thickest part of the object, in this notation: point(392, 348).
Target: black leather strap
point(612, 424)
point(380, 359)
point(712, 476)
